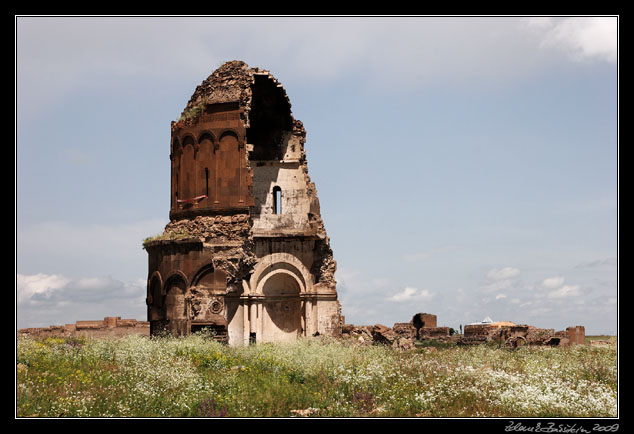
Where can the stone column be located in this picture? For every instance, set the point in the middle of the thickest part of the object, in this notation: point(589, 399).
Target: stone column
point(302, 317)
point(259, 321)
point(253, 316)
point(246, 326)
point(307, 317)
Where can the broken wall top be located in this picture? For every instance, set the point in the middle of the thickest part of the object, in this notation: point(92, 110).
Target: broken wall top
point(231, 82)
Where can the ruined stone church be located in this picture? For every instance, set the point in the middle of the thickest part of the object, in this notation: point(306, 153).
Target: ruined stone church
point(245, 253)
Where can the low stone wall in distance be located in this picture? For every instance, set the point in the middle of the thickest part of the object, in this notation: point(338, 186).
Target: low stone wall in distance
point(110, 327)
point(480, 333)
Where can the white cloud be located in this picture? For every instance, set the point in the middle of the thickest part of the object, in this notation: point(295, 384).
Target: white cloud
point(501, 279)
point(553, 282)
point(460, 295)
point(362, 296)
point(606, 263)
point(502, 274)
point(56, 55)
point(51, 289)
point(566, 291)
point(29, 286)
point(500, 285)
point(540, 312)
point(410, 294)
point(538, 23)
point(84, 249)
point(583, 38)
point(44, 300)
point(500, 296)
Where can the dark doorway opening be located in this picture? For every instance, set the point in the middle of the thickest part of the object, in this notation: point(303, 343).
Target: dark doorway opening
point(215, 331)
point(269, 118)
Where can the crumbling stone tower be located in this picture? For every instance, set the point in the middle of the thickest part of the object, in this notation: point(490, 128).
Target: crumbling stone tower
point(245, 253)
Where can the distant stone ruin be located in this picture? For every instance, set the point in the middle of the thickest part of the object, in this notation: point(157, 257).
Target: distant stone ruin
point(402, 335)
point(518, 335)
point(423, 327)
point(110, 327)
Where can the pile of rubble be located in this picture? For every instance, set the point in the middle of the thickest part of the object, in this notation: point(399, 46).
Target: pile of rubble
point(402, 335)
point(518, 335)
point(377, 334)
point(423, 327)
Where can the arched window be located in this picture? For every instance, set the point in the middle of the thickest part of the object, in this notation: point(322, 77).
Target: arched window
point(277, 200)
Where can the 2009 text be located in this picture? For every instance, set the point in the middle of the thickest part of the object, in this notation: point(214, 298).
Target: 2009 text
point(553, 427)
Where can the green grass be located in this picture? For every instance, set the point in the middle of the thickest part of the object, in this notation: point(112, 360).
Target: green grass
point(198, 377)
point(168, 235)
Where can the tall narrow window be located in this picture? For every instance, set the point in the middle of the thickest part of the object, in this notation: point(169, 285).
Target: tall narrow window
point(206, 182)
point(277, 200)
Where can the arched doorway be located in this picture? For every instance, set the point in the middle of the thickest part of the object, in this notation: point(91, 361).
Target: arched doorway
point(282, 320)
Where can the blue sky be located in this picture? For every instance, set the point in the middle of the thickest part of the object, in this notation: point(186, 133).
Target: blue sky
point(466, 166)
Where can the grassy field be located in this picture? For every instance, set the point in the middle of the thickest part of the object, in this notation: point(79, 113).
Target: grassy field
point(198, 377)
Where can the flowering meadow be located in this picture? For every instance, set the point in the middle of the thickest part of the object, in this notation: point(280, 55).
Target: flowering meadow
point(195, 376)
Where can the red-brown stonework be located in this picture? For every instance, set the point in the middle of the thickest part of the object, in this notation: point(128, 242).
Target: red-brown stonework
point(245, 253)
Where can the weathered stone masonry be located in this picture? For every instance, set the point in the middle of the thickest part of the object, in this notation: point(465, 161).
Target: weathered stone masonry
point(109, 327)
point(245, 252)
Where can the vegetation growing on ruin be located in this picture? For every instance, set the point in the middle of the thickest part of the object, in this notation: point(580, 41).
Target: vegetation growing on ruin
point(193, 112)
point(196, 376)
point(177, 234)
